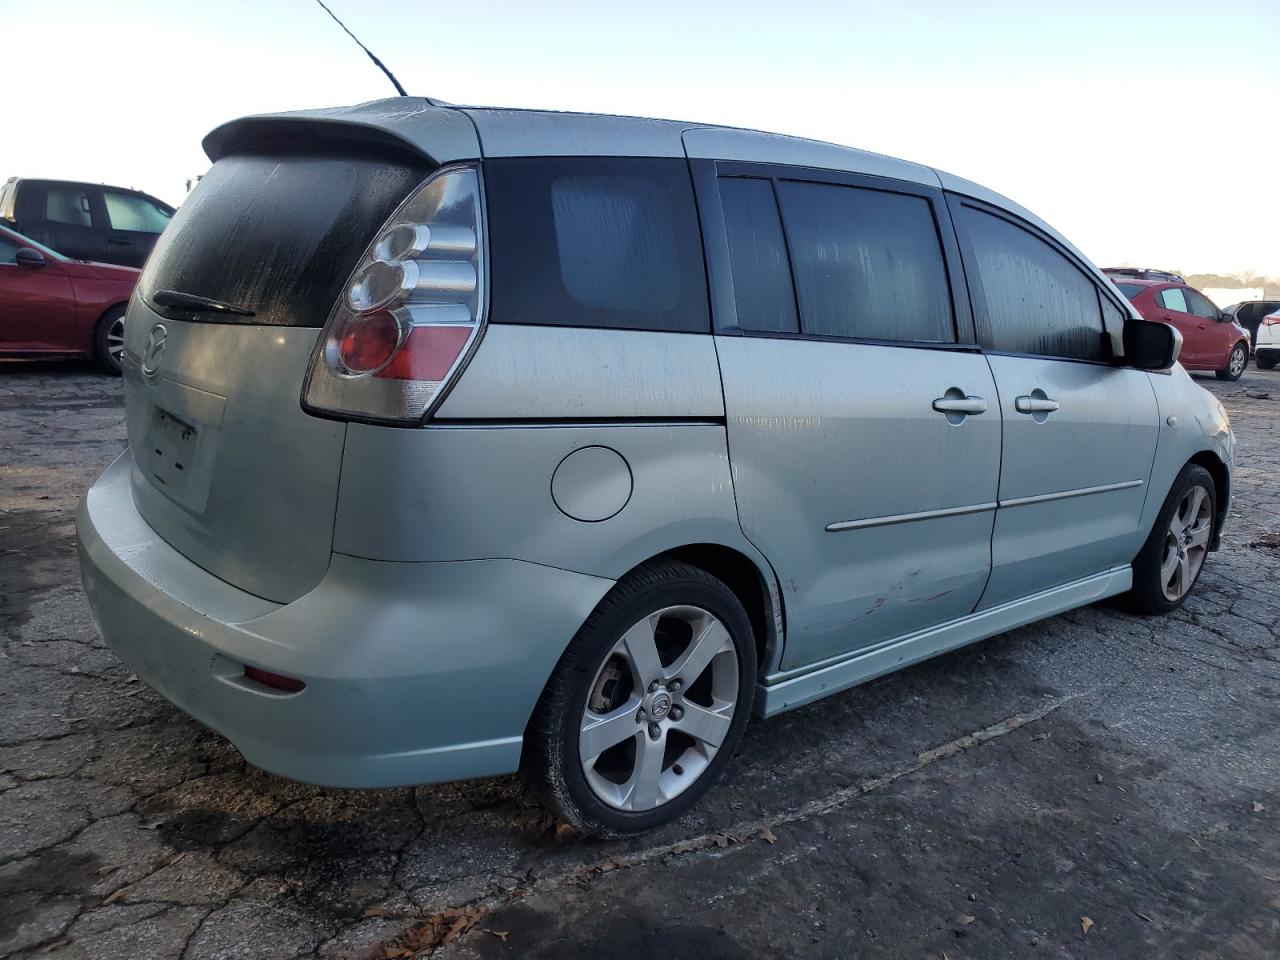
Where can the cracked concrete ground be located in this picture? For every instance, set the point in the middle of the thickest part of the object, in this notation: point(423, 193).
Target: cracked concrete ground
point(979, 805)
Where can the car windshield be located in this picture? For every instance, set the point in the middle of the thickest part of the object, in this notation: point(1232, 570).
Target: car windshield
point(1130, 290)
point(47, 251)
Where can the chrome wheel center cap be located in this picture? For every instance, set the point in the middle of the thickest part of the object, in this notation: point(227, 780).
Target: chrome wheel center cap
point(659, 704)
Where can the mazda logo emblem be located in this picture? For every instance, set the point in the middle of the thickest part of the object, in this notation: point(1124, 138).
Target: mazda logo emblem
point(155, 348)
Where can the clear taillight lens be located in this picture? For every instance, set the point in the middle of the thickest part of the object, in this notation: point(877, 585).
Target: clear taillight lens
point(410, 314)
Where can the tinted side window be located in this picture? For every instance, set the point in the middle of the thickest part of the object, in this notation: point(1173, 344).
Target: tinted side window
point(595, 242)
point(1200, 305)
point(129, 212)
point(1173, 299)
point(762, 289)
point(867, 263)
point(8, 250)
point(1037, 301)
point(1112, 317)
point(67, 205)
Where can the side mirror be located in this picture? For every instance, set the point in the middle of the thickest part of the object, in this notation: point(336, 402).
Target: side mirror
point(26, 257)
point(1151, 346)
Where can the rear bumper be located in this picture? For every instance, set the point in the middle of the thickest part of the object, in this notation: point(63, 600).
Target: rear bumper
point(414, 672)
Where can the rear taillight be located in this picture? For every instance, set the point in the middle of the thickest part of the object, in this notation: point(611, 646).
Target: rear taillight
point(1271, 321)
point(412, 311)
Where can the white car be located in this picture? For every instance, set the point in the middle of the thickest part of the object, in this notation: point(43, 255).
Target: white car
point(1266, 345)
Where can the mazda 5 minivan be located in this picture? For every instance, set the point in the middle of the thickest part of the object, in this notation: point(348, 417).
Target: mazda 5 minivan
point(466, 441)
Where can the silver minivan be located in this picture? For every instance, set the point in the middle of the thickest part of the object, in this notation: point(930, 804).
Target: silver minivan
point(465, 441)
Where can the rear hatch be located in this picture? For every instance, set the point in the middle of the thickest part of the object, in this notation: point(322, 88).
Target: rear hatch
point(227, 466)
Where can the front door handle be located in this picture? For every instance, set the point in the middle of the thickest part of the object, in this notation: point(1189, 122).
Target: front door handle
point(966, 406)
point(1034, 404)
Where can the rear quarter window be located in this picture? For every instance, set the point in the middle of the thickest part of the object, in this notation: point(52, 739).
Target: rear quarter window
point(595, 242)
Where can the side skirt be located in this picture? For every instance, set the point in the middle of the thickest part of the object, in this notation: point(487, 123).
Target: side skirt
point(781, 692)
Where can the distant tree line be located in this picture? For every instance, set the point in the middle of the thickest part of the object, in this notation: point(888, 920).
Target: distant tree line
point(1231, 281)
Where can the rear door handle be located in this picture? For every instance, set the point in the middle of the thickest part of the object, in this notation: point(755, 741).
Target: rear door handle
point(1041, 404)
point(122, 241)
point(965, 406)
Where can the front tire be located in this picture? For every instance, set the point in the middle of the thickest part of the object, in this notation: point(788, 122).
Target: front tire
point(108, 339)
point(1237, 360)
point(1169, 563)
point(647, 704)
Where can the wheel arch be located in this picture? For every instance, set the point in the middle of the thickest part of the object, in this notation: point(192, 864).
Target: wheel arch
point(1222, 489)
point(751, 580)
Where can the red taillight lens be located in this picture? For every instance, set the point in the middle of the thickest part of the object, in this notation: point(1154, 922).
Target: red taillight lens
point(402, 330)
point(1272, 320)
point(366, 341)
point(274, 680)
point(428, 353)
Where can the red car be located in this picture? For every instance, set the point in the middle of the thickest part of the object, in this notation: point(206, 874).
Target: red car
point(51, 305)
point(1211, 340)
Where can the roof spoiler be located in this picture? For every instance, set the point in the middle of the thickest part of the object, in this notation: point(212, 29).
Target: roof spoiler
point(417, 125)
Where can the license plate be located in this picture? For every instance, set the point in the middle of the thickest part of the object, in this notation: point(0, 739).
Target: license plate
point(173, 448)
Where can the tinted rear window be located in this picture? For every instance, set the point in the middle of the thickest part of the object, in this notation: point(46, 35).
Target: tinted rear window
point(1130, 290)
point(277, 234)
point(595, 242)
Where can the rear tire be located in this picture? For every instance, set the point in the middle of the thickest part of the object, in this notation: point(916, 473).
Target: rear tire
point(1169, 563)
point(656, 687)
point(1237, 360)
point(1265, 361)
point(108, 339)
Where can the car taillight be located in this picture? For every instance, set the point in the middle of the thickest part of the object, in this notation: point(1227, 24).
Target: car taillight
point(411, 312)
point(1271, 321)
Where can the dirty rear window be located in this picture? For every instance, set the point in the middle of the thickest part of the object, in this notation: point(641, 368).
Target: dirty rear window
point(277, 234)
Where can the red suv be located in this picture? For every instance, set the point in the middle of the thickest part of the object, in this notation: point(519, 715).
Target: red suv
point(1210, 339)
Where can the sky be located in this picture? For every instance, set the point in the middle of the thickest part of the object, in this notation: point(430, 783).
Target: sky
point(1147, 132)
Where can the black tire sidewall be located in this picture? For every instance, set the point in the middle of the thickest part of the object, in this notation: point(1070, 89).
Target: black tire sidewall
point(706, 593)
point(1147, 595)
point(100, 329)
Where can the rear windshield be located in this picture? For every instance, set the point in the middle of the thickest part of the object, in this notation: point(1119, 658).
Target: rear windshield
point(595, 242)
point(1130, 290)
point(277, 234)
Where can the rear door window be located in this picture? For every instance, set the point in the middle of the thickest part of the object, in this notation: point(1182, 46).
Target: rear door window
point(595, 242)
point(1173, 299)
point(763, 293)
point(68, 205)
point(868, 264)
point(1033, 299)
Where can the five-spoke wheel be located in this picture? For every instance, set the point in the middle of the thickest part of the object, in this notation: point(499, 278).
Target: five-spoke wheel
point(647, 703)
point(659, 708)
point(1169, 563)
point(1186, 543)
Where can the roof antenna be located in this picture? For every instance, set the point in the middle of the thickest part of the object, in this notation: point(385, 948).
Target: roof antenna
point(381, 66)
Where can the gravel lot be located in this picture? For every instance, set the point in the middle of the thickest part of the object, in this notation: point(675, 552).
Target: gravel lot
point(1096, 785)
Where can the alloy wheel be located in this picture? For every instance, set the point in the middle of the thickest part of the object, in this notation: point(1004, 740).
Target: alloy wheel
point(1186, 543)
point(1237, 361)
point(659, 708)
point(115, 340)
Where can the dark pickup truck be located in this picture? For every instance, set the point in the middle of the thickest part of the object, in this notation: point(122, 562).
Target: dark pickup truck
point(85, 221)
